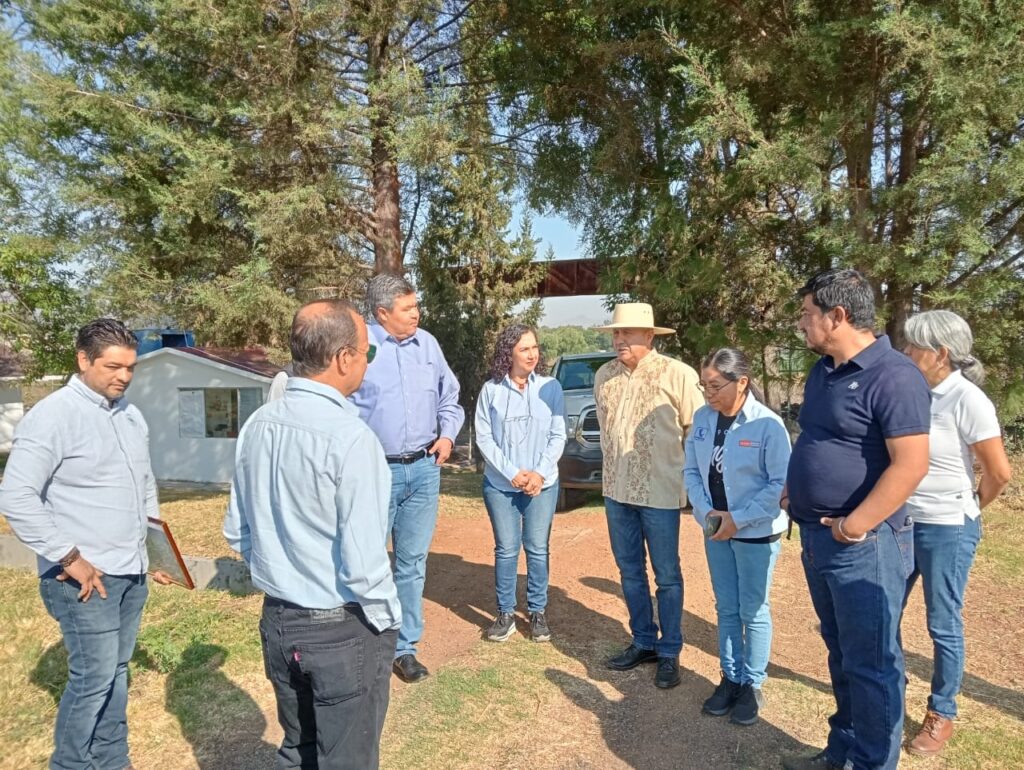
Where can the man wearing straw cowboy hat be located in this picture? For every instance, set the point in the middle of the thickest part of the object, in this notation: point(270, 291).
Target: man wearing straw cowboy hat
point(645, 403)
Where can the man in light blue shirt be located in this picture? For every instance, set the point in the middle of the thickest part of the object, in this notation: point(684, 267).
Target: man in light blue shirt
point(308, 512)
point(77, 490)
point(410, 399)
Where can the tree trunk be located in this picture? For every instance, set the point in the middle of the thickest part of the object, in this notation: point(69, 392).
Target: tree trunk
point(386, 234)
point(387, 245)
point(900, 302)
point(900, 295)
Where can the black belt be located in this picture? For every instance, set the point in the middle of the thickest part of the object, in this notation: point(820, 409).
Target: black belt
point(409, 458)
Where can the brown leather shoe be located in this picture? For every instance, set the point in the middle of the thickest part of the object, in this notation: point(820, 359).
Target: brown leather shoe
point(935, 731)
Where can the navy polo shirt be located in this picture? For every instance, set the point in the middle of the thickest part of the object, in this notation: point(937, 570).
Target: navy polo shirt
point(848, 413)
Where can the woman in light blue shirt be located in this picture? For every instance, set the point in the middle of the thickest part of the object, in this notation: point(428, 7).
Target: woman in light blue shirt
point(737, 453)
point(520, 431)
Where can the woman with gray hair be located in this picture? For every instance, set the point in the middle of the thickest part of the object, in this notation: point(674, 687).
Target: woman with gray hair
point(947, 505)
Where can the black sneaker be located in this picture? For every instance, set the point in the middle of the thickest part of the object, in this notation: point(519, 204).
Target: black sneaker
point(723, 698)
point(502, 628)
point(539, 630)
point(747, 705)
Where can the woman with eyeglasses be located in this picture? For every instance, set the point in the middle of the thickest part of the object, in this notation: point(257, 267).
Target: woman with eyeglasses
point(520, 431)
point(946, 507)
point(737, 453)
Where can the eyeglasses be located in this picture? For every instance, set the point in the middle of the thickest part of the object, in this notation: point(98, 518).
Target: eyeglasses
point(714, 390)
point(371, 351)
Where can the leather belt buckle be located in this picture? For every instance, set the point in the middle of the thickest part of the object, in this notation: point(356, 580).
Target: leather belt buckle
point(406, 459)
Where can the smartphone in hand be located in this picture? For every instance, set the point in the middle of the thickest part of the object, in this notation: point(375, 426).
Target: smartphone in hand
point(712, 523)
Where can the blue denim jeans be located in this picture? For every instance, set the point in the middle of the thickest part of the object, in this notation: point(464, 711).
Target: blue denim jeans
point(636, 531)
point(99, 635)
point(519, 520)
point(331, 673)
point(943, 556)
point(857, 591)
point(412, 516)
point(741, 575)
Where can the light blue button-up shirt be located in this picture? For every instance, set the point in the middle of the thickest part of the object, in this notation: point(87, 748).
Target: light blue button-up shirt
point(520, 430)
point(79, 476)
point(309, 504)
point(409, 396)
point(754, 462)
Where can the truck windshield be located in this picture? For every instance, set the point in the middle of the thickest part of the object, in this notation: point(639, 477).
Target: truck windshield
point(578, 374)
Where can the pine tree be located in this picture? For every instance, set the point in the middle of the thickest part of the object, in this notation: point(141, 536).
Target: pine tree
point(716, 155)
point(473, 277)
point(211, 150)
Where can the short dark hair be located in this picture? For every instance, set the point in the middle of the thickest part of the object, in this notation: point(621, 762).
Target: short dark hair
point(508, 338)
point(844, 288)
point(316, 337)
point(96, 336)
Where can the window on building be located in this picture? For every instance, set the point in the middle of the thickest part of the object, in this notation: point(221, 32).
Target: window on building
point(215, 412)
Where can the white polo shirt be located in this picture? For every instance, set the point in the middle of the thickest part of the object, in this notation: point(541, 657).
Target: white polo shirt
point(962, 415)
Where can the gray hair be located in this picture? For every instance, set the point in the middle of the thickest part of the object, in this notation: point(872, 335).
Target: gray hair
point(934, 329)
point(317, 337)
point(382, 291)
point(732, 364)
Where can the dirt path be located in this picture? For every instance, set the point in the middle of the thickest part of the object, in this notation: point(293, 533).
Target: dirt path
point(602, 719)
point(619, 719)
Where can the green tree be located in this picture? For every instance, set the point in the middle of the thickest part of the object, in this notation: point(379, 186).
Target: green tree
point(237, 147)
point(560, 340)
point(728, 151)
point(609, 143)
point(473, 276)
point(40, 305)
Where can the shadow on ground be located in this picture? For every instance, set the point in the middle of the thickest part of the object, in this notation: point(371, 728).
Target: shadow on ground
point(223, 724)
point(1005, 699)
point(219, 719)
point(646, 728)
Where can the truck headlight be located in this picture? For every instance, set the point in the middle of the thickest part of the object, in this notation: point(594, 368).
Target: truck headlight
point(570, 424)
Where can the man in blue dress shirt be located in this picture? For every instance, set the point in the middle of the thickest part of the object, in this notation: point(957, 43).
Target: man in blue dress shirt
point(308, 513)
point(77, 490)
point(862, 451)
point(410, 399)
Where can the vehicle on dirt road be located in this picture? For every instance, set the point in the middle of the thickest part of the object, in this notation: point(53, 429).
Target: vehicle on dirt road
point(579, 470)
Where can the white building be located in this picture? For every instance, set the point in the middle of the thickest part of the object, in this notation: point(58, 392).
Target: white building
point(12, 392)
point(195, 401)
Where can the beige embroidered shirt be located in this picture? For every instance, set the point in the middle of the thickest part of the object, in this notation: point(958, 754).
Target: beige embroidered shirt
point(644, 416)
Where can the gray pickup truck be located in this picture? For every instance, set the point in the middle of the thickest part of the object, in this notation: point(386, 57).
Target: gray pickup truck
point(579, 470)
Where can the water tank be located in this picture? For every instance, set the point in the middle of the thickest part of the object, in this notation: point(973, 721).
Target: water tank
point(154, 339)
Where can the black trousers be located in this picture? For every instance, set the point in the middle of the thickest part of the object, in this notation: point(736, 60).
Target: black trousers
point(331, 673)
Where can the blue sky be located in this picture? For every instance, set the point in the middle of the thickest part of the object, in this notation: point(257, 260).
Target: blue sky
point(564, 240)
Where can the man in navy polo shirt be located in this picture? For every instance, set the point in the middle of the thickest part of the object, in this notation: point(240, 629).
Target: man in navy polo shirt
point(862, 451)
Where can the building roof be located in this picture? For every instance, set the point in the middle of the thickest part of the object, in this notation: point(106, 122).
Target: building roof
point(248, 360)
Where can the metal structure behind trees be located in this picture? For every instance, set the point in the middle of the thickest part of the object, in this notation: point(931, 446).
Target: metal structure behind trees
point(564, 278)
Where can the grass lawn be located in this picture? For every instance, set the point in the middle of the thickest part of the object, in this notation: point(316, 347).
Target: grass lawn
point(199, 698)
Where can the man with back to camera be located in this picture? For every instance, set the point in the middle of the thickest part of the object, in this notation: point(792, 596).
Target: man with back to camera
point(410, 399)
point(862, 451)
point(308, 513)
point(77, 490)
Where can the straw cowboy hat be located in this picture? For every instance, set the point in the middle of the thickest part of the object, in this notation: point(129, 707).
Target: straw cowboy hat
point(634, 315)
